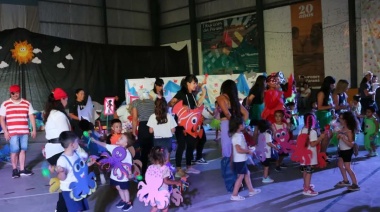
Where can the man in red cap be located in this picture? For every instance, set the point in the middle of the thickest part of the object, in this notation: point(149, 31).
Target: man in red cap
point(14, 114)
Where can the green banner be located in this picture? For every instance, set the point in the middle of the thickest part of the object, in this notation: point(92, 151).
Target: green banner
point(230, 45)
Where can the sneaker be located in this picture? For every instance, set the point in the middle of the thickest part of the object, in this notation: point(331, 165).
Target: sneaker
point(310, 192)
point(26, 172)
point(15, 173)
point(311, 186)
point(373, 154)
point(202, 161)
point(283, 166)
point(277, 169)
point(120, 204)
point(191, 170)
point(342, 184)
point(180, 173)
point(353, 187)
point(267, 180)
point(127, 206)
point(255, 191)
point(237, 198)
point(193, 161)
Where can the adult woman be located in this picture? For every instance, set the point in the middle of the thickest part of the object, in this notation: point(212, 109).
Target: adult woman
point(158, 89)
point(324, 106)
point(141, 110)
point(229, 103)
point(188, 86)
point(339, 96)
point(365, 92)
point(255, 100)
point(73, 110)
point(57, 121)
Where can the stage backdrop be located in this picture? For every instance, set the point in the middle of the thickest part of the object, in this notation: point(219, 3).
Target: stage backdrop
point(172, 85)
point(39, 63)
point(307, 40)
point(230, 45)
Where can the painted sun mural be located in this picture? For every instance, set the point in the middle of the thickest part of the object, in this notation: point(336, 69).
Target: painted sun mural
point(22, 52)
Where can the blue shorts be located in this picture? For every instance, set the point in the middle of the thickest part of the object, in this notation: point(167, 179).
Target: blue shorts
point(240, 167)
point(122, 185)
point(18, 142)
point(74, 206)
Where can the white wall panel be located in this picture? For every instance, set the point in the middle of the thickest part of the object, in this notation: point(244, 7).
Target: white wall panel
point(278, 40)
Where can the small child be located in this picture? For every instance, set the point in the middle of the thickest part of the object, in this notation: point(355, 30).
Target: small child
point(116, 129)
point(371, 131)
point(265, 139)
point(118, 178)
point(65, 169)
point(306, 145)
point(356, 109)
point(240, 156)
point(346, 138)
point(215, 123)
point(292, 115)
point(159, 157)
point(162, 124)
point(281, 134)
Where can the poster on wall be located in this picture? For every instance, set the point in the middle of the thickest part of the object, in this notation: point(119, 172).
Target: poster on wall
point(230, 45)
point(307, 40)
point(371, 35)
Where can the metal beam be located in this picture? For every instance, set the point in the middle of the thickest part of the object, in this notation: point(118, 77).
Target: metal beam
point(260, 29)
point(353, 50)
point(155, 21)
point(194, 36)
point(105, 22)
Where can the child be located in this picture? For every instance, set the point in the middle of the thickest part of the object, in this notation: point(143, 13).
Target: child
point(215, 123)
point(116, 129)
point(162, 124)
point(66, 172)
point(118, 178)
point(265, 139)
point(158, 157)
point(306, 145)
point(281, 134)
point(346, 138)
point(293, 116)
point(370, 131)
point(240, 157)
point(356, 109)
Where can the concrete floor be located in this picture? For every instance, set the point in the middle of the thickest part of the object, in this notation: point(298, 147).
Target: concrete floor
point(207, 192)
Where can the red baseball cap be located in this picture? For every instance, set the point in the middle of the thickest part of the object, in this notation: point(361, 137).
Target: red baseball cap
point(59, 93)
point(14, 89)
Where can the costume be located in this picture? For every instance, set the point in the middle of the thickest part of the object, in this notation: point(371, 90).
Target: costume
point(273, 98)
point(282, 137)
point(155, 192)
point(78, 183)
point(370, 134)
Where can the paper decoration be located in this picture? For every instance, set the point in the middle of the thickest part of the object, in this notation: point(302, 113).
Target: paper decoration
point(109, 105)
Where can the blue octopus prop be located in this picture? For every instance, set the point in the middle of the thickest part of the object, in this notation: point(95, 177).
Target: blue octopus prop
point(116, 162)
point(86, 184)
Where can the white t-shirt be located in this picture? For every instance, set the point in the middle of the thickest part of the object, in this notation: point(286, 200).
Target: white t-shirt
point(305, 93)
point(343, 145)
point(312, 137)
point(56, 123)
point(238, 139)
point(127, 159)
point(162, 130)
point(268, 140)
point(70, 177)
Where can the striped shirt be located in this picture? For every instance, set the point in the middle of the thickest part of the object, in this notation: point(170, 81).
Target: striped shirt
point(16, 115)
point(144, 108)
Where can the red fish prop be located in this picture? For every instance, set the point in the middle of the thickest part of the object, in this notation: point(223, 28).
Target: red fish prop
point(190, 119)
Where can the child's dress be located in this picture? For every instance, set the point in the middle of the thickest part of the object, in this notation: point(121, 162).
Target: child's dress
point(305, 154)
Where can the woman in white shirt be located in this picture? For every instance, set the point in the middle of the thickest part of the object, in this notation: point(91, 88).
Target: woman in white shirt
point(57, 121)
point(162, 124)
